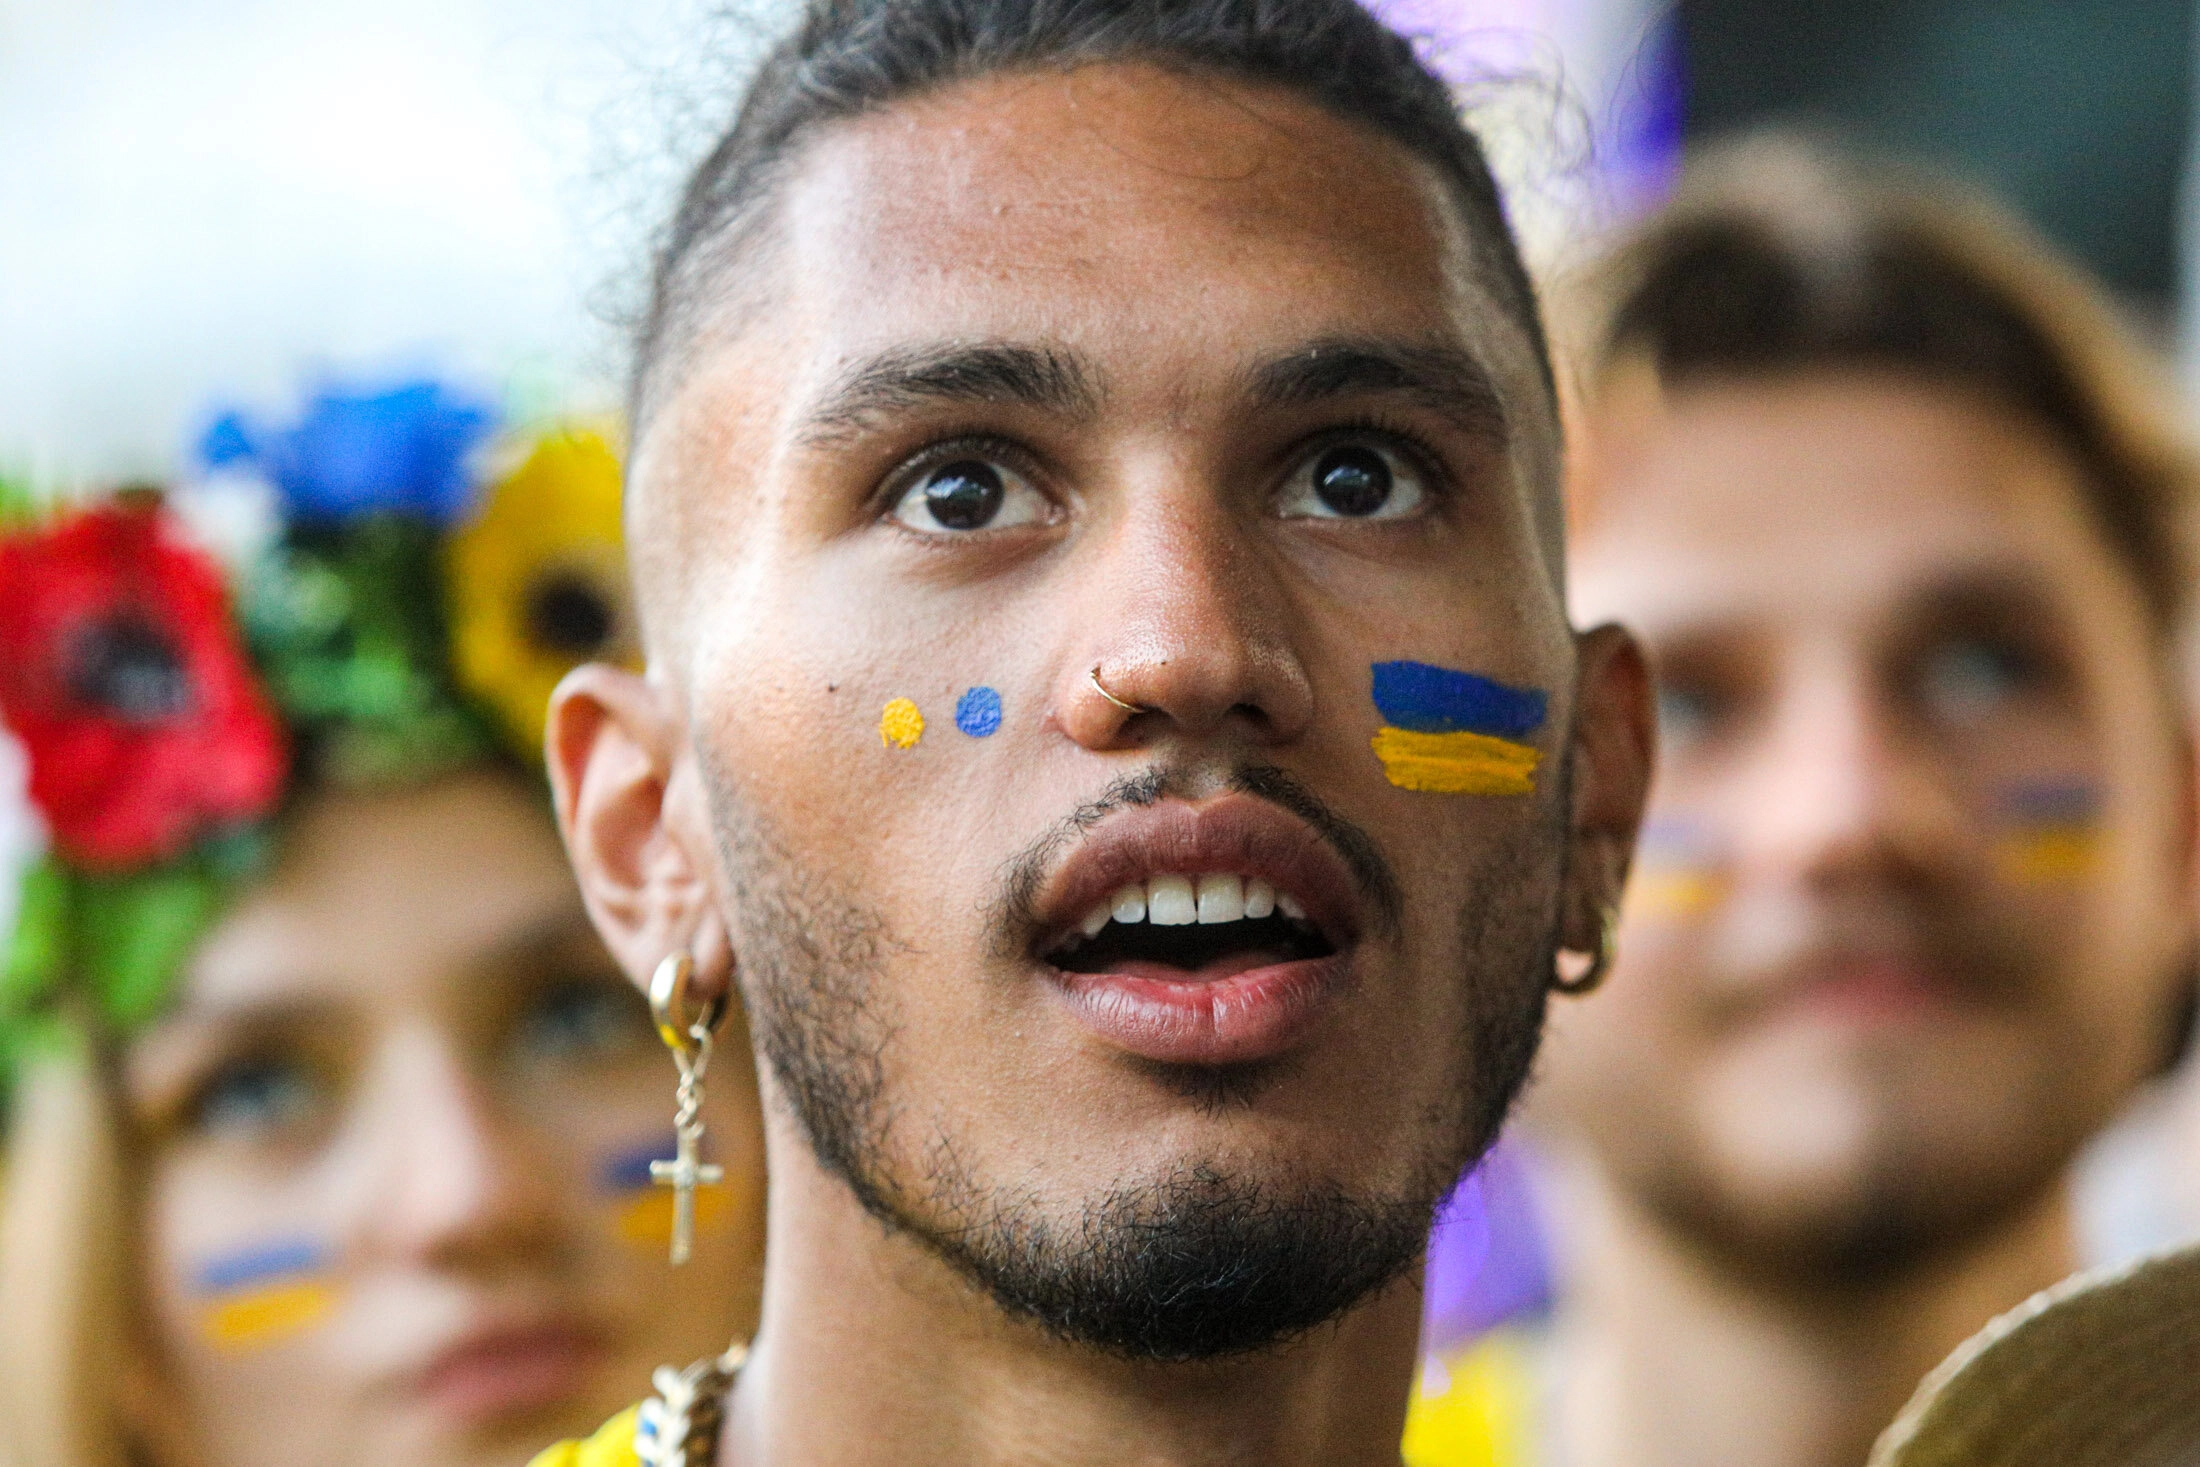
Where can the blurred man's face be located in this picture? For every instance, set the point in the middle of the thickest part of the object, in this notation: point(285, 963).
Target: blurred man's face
point(1910, 894)
point(1165, 1023)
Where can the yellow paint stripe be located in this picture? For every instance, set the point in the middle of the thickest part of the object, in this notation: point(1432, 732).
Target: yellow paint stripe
point(2046, 856)
point(1456, 763)
point(265, 1315)
point(1675, 892)
point(646, 1218)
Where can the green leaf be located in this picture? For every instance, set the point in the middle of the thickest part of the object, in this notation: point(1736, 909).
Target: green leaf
point(135, 932)
point(38, 951)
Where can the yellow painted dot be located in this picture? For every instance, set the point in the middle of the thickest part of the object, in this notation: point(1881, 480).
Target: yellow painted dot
point(901, 725)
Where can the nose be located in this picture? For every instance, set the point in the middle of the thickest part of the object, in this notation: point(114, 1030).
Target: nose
point(455, 1183)
point(1183, 628)
point(1835, 791)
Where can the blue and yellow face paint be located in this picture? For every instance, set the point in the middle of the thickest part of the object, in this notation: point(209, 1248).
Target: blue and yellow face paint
point(1453, 733)
point(2046, 832)
point(259, 1295)
point(644, 1209)
point(900, 724)
point(1679, 871)
point(978, 712)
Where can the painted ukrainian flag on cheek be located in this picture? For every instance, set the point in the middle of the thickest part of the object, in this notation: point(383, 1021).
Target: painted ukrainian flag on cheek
point(263, 1294)
point(1453, 733)
point(644, 1207)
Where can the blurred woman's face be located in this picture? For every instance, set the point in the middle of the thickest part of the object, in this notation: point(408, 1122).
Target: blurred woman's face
point(397, 1128)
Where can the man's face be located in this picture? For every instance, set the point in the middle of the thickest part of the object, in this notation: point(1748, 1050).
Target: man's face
point(1195, 386)
point(1909, 897)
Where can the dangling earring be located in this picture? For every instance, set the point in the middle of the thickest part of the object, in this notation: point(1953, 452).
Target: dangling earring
point(1575, 972)
point(688, 1036)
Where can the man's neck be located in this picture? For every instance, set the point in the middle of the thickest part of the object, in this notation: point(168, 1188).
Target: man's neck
point(873, 1350)
point(1671, 1362)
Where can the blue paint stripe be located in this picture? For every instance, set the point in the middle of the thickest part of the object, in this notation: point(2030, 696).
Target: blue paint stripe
point(629, 1170)
point(2052, 803)
point(1428, 699)
point(274, 1260)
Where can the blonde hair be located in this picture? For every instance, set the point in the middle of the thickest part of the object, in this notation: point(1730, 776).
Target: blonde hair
point(1778, 256)
point(65, 1320)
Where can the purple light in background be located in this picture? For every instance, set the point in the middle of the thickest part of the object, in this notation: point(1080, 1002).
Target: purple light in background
point(1487, 1259)
point(1461, 41)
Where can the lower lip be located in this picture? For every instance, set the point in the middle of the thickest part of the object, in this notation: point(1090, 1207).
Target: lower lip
point(1235, 1019)
point(510, 1375)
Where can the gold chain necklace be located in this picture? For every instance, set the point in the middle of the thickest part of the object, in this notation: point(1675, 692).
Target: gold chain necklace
point(678, 1427)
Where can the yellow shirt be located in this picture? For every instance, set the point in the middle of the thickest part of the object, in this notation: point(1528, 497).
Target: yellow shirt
point(1473, 1409)
point(1476, 1408)
point(611, 1446)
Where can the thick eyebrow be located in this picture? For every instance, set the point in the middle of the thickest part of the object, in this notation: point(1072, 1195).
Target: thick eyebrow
point(1442, 379)
point(908, 378)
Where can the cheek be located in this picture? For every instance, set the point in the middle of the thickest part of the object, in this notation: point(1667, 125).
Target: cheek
point(621, 1127)
point(1632, 1037)
point(875, 756)
point(238, 1264)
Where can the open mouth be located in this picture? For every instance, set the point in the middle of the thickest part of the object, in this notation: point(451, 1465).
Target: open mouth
point(1191, 928)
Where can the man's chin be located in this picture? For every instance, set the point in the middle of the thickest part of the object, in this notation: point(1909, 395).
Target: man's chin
point(1199, 1265)
point(1875, 1227)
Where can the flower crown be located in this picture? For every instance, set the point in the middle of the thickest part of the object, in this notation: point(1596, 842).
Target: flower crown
point(356, 597)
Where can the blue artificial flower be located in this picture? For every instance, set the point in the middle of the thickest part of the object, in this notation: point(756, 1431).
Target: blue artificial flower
point(361, 449)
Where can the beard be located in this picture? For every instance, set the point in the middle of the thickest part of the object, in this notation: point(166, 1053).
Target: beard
point(1199, 1263)
point(1940, 1148)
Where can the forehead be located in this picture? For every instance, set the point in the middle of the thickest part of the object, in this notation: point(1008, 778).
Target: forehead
point(1080, 193)
point(1837, 497)
point(1166, 228)
point(384, 895)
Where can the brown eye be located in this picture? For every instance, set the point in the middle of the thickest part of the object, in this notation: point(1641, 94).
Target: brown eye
point(969, 494)
point(1352, 481)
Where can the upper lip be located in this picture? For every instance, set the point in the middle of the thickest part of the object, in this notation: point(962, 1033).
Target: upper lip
point(1236, 834)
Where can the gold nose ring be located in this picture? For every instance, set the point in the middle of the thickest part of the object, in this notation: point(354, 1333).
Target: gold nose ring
point(1093, 677)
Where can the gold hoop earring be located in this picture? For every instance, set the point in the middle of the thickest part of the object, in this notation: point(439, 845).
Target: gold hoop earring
point(1093, 677)
point(687, 1033)
point(1588, 970)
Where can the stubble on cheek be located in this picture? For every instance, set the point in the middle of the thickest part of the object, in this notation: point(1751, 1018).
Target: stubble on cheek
point(811, 957)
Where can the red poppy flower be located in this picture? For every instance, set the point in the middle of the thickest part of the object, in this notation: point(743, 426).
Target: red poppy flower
point(122, 673)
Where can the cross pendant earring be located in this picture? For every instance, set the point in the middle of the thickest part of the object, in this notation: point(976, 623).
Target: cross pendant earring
point(686, 1171)
point(689, 1039)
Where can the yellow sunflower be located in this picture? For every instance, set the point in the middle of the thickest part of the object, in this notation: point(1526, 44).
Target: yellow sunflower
point(538, 581)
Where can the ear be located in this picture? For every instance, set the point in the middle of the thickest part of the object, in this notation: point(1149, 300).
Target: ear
point(633, 811)
point(1614, 754)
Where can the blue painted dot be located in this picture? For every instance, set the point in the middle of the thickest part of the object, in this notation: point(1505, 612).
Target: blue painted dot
point(978, 712)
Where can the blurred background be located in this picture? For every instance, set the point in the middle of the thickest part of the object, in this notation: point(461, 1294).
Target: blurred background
point(209, 200)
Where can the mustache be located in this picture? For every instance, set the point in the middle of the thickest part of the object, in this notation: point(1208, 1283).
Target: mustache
point(1769, 947)
point(1015, 911)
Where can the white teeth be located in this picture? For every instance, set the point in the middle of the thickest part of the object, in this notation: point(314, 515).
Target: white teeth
point(1221, 899)
point(1180, 901)
point(1169, 902)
